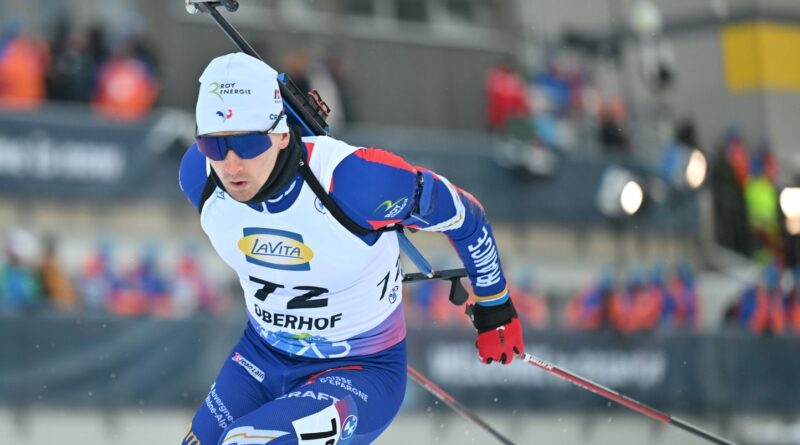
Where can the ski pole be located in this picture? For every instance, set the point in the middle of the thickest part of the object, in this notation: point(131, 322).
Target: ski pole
point(448, 400)
point(623, 400)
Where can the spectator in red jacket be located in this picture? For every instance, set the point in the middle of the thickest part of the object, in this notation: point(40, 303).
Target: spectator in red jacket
point(506, 95)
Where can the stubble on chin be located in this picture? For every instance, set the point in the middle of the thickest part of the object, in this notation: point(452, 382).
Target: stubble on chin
point(242, 196)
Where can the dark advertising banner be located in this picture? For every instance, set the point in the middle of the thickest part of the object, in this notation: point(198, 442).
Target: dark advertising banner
point(696, 373)
point(651, 369)
point(100, 361)
point(67, 151)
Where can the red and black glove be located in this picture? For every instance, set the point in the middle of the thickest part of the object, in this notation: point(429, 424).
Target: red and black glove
point(499, 332)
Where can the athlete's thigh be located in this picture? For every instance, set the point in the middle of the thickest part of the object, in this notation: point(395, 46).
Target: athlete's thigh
point(236, 391)
point(343, 406)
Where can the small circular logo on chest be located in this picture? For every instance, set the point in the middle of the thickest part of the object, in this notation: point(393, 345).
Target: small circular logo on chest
point(318, 205)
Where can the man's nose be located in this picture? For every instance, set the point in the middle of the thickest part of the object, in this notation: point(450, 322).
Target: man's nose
point(232, 163)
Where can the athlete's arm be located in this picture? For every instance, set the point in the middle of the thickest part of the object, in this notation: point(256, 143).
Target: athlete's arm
point(377, 188)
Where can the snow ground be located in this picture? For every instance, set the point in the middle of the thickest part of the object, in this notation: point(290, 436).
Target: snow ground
point(132, 427)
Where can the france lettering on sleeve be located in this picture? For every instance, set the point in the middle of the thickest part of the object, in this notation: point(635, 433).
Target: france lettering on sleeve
point(377, 188)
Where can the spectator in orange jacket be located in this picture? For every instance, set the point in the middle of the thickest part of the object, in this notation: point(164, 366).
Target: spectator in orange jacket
point(127, 87)
point(23, 67)
point(638, 308)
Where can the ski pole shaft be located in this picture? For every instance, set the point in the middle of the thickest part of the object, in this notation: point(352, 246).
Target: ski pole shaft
point(414, 255)
point(623, 400)
point(448, 400)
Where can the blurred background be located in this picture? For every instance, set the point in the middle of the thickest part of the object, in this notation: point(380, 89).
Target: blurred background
point(638, 159)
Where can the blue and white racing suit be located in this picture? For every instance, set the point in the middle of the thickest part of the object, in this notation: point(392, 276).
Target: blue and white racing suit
point(322, 360)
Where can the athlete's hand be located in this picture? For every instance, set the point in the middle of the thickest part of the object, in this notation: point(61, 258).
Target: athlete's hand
point(499, 332)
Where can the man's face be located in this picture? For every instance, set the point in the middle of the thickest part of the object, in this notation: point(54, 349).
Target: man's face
point(243, 178)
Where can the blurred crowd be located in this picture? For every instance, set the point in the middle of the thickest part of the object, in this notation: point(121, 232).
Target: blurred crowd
point(551, 110)
point(117, 72)
point(642, 301)
point(114, 72)
point(771, 306)
point(561, 107)
point(33, 278)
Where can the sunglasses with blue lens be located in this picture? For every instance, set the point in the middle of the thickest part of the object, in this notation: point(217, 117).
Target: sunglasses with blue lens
point(246, 145)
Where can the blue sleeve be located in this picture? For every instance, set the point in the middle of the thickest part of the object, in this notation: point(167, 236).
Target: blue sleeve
point(376, 188)
point(192, 175)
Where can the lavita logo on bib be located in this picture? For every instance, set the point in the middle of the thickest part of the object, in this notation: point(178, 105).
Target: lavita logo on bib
point(276, 249)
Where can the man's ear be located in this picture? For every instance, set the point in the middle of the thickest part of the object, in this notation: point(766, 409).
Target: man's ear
point(283, 140)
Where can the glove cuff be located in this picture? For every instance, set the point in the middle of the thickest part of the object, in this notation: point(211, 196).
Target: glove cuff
point(486, 318)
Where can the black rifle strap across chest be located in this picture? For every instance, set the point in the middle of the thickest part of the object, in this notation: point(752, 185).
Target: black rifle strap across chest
point(208, 190)
point(330, 204)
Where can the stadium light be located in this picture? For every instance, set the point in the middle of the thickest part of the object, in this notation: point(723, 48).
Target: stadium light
point(645, 19)
point(631, 197)
point(696, 169)
point(790, 205)
point(619, 193)
point(790, 202)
